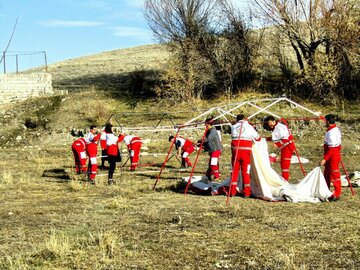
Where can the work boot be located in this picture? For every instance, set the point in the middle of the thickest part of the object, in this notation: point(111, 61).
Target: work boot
point(332, 198)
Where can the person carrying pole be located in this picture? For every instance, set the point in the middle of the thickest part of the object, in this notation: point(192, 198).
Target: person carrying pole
point(79, 150)
point(133, 144)
point(91, 149)
point(332, 156)
point(284, 140)
point(113, 152)
point(214, 148)
point(184, 148)
point(243, 134)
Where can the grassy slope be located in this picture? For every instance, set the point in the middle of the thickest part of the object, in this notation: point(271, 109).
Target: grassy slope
point(107, 68)
point(49, 222)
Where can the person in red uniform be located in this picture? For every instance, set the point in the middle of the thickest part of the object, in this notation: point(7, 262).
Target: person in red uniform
point(91, 149)
point(113, 153)
point(332, 156)
point(185, 147)
point(243, 134)
point(103, 148)
point(133, 144)
point(284, 140)
point(79, 150)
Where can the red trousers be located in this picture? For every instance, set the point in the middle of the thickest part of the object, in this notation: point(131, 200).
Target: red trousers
point(185, 155)
point(214, 165)
point(91, 150)
point(332, 171)
point(134, 154)
point(240, 159)
point(285, 160)
point(80, 157)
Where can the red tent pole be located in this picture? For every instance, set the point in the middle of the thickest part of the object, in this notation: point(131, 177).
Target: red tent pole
point(196, 159)
point(235, 160)
point(296, 151)
point(167, 157)
point(347, 177)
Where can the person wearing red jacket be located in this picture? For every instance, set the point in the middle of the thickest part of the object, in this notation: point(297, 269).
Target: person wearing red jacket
point(332, 156)
point(185, 147)
point(133, 144)
point(79, 150)
point(284, 140)
point(103, 148)
point(113, 153)
point(91, 149)
point(243, 134)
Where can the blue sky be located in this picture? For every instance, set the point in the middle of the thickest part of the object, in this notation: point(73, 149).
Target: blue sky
point(71, 28)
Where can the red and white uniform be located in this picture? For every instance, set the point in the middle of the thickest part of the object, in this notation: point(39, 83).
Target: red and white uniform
point(243, 134)
point(79, 147)
point(91, 149)
point(103, 141)
point(187, 148)
point(332, 155)
point(134, 145)
point(112, 144)
point(284, 140)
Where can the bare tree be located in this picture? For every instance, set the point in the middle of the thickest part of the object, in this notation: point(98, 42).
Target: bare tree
point(301, 21)
point(178, 20)
point(180, 24)
point(321, 34)
point(229, 49)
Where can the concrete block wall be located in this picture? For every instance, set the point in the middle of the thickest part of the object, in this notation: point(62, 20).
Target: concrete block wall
point(15, 87)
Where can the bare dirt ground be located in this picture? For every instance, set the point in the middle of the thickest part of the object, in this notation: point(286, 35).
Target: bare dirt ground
point(51, 219)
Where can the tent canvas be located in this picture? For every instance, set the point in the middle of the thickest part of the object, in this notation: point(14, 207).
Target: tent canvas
point(267, 184)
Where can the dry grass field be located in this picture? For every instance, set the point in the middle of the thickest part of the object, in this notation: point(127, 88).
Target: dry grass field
point(51, 219)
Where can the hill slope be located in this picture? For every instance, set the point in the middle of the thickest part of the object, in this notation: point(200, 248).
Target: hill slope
point(108, 70)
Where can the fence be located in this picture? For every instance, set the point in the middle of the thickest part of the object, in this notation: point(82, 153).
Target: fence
point(16, 61)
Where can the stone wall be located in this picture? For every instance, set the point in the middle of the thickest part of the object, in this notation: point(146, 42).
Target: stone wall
point(14, 87)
